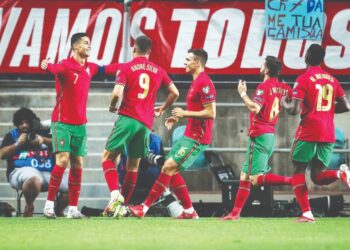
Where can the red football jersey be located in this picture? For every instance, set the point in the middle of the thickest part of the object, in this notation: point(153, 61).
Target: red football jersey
point(72, 86)
point(268, 95)
point(201, 92)
point(141, 79)
point(318, 92)
point(111, 69)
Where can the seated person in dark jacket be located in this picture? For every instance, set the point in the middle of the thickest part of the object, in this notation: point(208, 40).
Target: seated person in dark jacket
point(27, 149)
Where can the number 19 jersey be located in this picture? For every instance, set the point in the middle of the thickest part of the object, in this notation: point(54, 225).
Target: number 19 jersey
point(141, 80)
point(318, 92)
point(268, 95)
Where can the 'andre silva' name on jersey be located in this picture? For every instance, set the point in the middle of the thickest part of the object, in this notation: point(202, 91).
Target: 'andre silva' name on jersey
point(276, 90)
point(143, 66)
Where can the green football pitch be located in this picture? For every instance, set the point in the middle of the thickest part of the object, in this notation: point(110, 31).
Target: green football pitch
point(166, 233)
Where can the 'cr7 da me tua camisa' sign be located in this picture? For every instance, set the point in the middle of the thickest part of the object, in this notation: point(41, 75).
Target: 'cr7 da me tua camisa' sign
point(294, 19)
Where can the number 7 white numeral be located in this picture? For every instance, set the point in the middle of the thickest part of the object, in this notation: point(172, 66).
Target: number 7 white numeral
point(76, 78)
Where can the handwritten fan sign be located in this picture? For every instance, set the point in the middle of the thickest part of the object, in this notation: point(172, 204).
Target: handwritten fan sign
point(294, 19)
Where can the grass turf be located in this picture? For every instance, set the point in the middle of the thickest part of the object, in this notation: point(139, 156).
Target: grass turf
point(167, 233)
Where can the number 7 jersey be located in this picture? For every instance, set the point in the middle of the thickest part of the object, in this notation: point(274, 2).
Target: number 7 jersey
point(141, 80)
point(318, 92)
point(267, 95)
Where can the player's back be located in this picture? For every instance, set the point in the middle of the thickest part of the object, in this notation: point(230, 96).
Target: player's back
point(268, 95)
point(318, 91)
point(142, 79)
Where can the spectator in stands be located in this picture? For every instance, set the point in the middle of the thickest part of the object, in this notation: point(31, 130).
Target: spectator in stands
point(27, 149)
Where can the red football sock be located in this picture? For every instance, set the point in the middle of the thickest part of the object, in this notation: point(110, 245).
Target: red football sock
point(326, 177)
point(178, 186)
point(301, 192)
point(273, 180)
point(157, 189)
point(241, 197)
point(74, 185)
point(128, 186)
point(55, 182)
point(111, 175)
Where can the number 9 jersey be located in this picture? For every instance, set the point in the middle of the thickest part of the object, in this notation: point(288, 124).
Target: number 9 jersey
point(318, 92)
point(268, 96)
point(141, 80)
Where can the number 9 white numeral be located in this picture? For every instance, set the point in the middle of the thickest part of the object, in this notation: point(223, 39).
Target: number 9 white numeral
point(144, 84)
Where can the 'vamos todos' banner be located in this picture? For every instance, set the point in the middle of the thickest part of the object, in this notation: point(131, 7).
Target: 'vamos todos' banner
point(233, 33)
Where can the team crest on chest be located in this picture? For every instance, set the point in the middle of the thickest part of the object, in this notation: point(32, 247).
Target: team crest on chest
point(206, 90)
point(88, 70)
point(62, 142)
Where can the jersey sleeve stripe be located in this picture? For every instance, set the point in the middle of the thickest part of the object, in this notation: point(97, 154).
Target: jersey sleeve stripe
point(297, 98)
point(208, 102)
point(119, 83)
point(259, 103)
point(341, 96)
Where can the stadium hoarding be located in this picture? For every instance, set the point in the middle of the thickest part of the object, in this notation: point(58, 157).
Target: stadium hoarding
point(233, 33)
point(34, 30)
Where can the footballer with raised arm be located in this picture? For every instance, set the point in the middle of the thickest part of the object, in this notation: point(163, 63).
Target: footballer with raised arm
point(264, 111)
point(68, 121)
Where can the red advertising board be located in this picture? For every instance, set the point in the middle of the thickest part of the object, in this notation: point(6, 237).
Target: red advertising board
point(233, 33)
point(34, 30)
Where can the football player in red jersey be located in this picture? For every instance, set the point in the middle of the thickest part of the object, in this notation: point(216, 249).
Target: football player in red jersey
point(138, 82)
point(320, 96)
point(264, 110)
point(73, 77)
point(200, 114)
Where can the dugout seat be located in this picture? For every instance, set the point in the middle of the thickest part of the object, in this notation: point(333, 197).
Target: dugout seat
point(19, 195)
point(341, 142)
point(221, 171)
point(260, 200)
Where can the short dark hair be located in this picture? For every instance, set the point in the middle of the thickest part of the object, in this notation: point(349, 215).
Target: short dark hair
point(143, 44)
point(24, 114)
point(315, 55)
point(274, 66)
point(201, 55)
point(76, 37)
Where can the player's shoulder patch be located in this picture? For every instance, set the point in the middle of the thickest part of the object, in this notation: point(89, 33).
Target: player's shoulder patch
point(259, 92)
point(206, 89)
